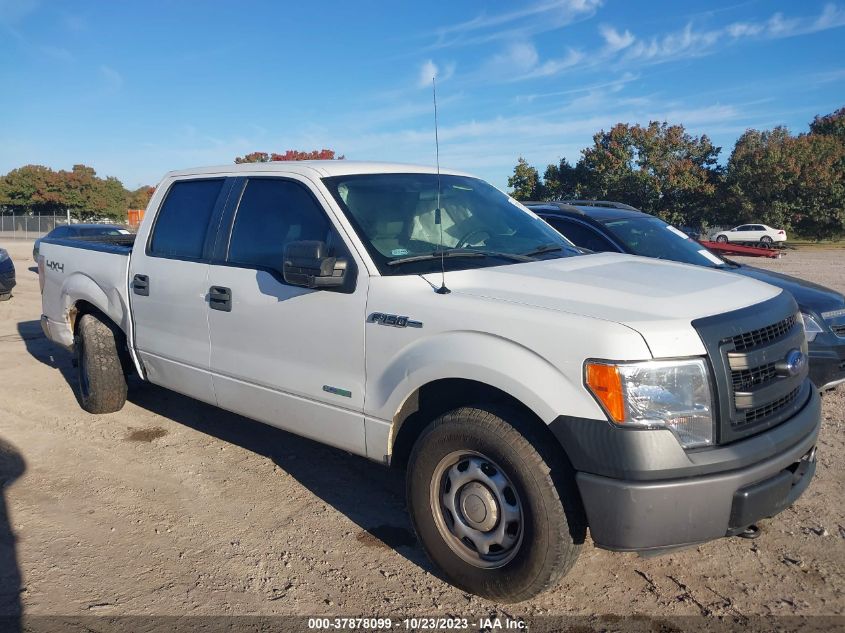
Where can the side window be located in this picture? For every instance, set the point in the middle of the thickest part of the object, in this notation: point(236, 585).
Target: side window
point(182, 222)
point(582, 235)
point(759, 227)
point(744, 227)
point(272, 213)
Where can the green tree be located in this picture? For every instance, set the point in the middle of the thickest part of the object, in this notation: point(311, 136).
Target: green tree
point(795, 182)
point(830, 124)
point(525, 181)
point(563, 181)
point(32, 189)
point(291, 154)
point(658, 168)
point(140, 197)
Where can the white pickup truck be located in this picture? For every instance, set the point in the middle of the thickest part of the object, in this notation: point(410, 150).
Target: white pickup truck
point(428, 321)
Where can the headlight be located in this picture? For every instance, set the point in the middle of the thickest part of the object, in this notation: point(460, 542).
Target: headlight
point(811, 327)
point(673, 394)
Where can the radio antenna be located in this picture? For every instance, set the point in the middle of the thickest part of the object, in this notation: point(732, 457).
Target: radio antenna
point(438, 214)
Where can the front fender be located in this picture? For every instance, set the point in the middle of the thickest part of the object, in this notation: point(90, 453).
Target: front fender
point(544, 388)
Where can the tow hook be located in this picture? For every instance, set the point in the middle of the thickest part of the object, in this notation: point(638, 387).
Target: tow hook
point(751, 532)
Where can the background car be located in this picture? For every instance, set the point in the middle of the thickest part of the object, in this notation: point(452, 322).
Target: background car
point(615, 227)
point(752, 233)
point(79, 230)
point(7, 275)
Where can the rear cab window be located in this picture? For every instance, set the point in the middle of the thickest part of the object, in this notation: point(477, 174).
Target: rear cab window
point(182, 223)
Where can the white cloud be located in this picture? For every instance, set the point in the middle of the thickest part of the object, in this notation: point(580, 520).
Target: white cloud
point(431, 70)
point(113, 79)
point(540, 17)
point(614, 40)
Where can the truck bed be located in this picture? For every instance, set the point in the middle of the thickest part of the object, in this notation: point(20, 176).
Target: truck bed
point(93, 269)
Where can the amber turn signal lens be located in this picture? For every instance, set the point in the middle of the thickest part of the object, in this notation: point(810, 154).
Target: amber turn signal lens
point(606, 385)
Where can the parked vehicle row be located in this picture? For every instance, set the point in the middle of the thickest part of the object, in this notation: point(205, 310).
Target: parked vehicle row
point(623, 229)
point(426, 320)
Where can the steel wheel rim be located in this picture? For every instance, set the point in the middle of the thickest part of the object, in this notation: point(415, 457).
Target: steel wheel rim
point(477, 509)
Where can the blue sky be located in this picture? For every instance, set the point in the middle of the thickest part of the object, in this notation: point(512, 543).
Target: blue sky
point(139, 88)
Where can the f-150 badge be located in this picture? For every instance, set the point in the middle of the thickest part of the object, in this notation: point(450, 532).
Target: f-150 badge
point(393, 320)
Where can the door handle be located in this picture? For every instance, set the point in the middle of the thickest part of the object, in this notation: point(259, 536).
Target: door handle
point(220, 298)
point(141, 285)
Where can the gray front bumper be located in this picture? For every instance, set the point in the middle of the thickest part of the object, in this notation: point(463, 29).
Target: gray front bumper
point(637, 515)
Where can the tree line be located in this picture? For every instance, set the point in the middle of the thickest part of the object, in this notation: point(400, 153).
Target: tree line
point(773, 177)
point(40, 190)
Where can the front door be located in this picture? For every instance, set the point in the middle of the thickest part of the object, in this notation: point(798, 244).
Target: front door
point(286, 355)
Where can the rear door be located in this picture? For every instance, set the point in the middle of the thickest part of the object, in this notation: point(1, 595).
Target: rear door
point(169, 285)
point(286, 355)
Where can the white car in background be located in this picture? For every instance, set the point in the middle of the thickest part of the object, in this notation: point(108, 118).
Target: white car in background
point(752, 233)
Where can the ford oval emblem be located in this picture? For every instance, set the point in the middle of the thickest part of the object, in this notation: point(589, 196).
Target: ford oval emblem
point(794, 362)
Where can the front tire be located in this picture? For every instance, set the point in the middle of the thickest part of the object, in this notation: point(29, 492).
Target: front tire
point(721, 238)
point(494, 506)
point(102, 382)
point(5, 296)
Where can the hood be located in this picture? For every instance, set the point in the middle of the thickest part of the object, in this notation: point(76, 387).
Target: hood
point(656, 298)
point(809, 296)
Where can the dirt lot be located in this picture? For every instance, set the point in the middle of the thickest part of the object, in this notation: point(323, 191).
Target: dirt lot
point(172, 507)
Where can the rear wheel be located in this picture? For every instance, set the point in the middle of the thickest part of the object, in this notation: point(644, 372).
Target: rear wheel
point(102, 382)
point(766, 240)
point(721, 238)
point(494, 507)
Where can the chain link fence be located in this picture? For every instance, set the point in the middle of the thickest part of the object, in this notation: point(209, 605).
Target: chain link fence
point(26, 226)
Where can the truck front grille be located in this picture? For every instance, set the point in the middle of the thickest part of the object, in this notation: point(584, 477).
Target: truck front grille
point(743, 379)
point(761, 413)
point(747, 349)
point(763, 335)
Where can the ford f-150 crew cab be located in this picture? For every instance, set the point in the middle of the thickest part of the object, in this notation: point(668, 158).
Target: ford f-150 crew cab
point(429, 321)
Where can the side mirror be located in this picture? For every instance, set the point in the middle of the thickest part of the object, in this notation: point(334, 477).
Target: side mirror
point(307, 264)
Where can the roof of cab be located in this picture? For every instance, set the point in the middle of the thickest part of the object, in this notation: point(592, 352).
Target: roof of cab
point(319, 168)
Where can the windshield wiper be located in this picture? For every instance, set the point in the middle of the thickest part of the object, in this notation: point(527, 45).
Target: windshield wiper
point(545, 248)
point(459, 252)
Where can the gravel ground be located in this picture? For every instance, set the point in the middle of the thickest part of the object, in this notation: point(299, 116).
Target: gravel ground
point(172, 507)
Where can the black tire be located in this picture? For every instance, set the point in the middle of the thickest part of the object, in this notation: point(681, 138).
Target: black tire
point(721, 238)
point(102, 382)
point(6, 296)
point(766, 240)
point(551, 524)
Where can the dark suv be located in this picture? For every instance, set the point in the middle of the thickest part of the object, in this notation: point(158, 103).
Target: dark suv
point(602, 226)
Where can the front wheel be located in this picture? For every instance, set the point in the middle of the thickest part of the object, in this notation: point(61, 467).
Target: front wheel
point(498, 512)
point(5, 296)
point(721, 238)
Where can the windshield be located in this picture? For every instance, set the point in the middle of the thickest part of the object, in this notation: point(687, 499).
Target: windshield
point(651, 237)
point(396, 216)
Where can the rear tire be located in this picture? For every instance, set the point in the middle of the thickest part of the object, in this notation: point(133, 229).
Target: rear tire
point(721, 238)
point(766, 240)
point(102, 382)
point(512, 525)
